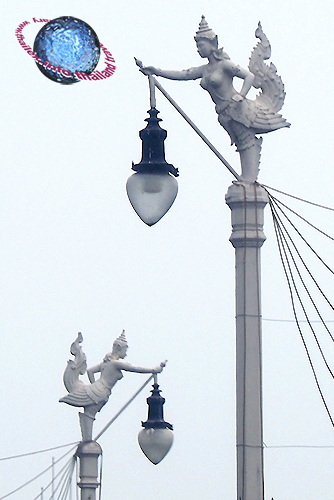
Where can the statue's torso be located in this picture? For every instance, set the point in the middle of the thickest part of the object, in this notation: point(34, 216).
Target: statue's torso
point(110, 374)
point(217, 79)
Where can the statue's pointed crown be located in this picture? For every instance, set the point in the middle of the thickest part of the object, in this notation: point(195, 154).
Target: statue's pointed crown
point(204, 31)
point(122, 338)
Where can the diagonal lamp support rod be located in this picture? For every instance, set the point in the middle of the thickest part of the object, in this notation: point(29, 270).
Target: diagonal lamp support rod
point(154, 81)
point(123, 408)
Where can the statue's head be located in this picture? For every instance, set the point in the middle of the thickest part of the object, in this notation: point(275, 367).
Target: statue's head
point(205, 38)
point(120, 345)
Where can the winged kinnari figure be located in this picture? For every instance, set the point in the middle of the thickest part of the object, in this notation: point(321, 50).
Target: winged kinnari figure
point(92, 397)
point(243, 119)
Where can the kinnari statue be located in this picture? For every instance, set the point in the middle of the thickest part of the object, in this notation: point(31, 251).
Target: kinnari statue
point(242, 118)
point(92, 397)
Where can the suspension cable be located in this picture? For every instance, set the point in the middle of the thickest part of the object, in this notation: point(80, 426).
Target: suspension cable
point(38, 475)
point(297, 198)
point(286, 266)
point(39, 451)
point(302, 218)
point(283, 239)
point(310, 274)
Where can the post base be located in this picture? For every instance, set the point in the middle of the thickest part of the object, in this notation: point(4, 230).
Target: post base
point(88, 453)
point(247, 201)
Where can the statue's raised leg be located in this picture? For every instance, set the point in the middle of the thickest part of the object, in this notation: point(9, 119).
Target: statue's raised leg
point(250, 161)
point(86, 426)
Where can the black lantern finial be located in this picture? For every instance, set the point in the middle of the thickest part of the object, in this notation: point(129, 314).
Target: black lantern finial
point(153, 148)
point(155, 418)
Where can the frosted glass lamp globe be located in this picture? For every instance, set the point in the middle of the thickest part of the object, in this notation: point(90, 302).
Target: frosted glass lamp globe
point(155, 443)
point(151, 195)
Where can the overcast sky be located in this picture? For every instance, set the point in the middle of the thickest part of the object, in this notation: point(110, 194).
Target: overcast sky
point(74, 256)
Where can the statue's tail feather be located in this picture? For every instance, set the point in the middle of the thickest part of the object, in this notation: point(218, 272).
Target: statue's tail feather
point(75, 367)
point(266, 77)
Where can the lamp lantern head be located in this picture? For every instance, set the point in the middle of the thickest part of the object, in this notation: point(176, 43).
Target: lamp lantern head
point(156, 439)
point(153, 188)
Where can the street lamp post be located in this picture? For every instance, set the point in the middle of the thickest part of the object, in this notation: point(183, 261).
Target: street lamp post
point(89, 453)
point(247, 202)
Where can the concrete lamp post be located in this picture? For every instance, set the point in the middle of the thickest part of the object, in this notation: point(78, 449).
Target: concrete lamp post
point(243, 119)
point(247, 202)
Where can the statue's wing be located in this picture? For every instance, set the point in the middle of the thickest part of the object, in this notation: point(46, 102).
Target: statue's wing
point(76, 348)
point(75, 367)
point(266, 77)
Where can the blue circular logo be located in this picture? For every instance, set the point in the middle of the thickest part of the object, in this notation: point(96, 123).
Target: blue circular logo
point(67, 45)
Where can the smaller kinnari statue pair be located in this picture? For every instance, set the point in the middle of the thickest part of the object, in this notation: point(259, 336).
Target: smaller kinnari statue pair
point(92, 397)
point(242, 118)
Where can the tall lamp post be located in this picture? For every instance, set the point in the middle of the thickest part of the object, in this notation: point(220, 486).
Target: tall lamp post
point(243, 120)
point(247, 202)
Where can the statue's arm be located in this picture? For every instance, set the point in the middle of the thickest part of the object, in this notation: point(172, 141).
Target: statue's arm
point(185, 74)
point(121, 365)
point(91, 371)
point(243, 73)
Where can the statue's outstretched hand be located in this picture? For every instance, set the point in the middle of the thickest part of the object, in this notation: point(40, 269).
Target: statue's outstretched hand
point(147, 70)
point(159, 369)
